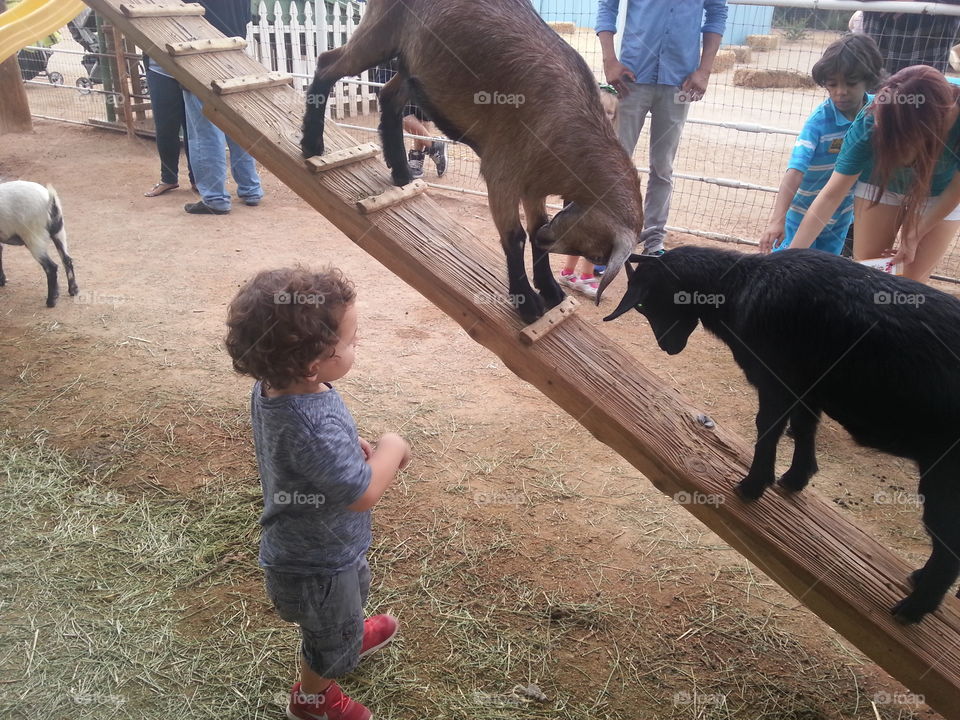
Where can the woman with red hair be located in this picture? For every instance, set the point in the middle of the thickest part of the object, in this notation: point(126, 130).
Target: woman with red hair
point(901, 155)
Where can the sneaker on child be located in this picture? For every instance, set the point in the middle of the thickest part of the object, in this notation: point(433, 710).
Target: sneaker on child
point(378, 631)
point(415, 161)
point(331, 704)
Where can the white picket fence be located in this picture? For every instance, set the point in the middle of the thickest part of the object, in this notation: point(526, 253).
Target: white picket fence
point(293, 46)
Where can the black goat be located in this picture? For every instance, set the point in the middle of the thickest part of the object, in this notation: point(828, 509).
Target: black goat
point(817, 333)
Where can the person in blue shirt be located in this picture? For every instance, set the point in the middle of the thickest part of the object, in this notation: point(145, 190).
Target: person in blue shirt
point(849, 66)
point(901, 157)
point(661, 69)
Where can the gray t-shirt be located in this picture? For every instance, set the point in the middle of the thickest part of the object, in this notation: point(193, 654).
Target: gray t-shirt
point(311, 468)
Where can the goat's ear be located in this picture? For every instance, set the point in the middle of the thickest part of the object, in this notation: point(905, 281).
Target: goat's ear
point(623, 245)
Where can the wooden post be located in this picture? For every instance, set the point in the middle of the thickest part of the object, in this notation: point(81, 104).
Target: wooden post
point(801, 542)
point(15, 108)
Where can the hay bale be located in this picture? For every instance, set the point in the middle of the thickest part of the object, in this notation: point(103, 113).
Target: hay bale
point(564, 28)
point(749, 77)
point(762, 43)
point(742, 52)
point(724, 61)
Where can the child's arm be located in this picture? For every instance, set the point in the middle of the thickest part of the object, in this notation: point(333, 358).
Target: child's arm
point(773, 235)
point(391, 455)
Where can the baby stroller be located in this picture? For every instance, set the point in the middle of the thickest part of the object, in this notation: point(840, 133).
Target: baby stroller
point(83, 28)
point(33, 61)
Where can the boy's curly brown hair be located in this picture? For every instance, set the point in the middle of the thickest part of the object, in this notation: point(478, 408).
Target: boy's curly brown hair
point(282, 320)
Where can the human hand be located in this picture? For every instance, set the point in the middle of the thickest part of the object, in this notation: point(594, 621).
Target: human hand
point(367, 449)
point(695, 85)
point(907, 250)
point(398, 444)
point(616, 73)
point(771, 238)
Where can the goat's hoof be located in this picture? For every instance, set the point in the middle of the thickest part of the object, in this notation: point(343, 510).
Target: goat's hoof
point(529, 305)
point(309, 149)
point(749, 490)
point(401, 177)
point(910, 610)
point(796, 480)
point(73, 290)
point(51, 302)
point(552, 296)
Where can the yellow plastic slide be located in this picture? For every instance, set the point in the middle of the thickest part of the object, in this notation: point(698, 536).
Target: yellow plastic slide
point(31, 20)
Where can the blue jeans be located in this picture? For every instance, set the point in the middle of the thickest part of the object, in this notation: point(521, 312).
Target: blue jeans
point(208, 159)
point(667, 119)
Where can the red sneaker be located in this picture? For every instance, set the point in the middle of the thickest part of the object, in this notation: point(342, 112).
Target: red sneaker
point(378, 631)
point(329, 705)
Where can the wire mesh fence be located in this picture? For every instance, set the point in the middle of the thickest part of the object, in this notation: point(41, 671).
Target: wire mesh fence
point(736, 141)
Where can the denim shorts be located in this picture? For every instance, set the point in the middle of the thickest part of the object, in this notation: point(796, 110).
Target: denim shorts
point(329, 611)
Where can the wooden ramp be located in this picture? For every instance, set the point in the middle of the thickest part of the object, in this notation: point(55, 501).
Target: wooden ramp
point(801, 542)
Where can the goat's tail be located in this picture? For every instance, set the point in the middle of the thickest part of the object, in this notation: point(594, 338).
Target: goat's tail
point(55, 226)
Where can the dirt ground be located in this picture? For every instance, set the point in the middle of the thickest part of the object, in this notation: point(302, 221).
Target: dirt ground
point(132, 376)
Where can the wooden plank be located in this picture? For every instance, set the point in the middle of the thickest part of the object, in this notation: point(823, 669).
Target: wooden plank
point(154, 11)
point(322, 163)
point(390, 197)
point(551, 319)
point(251, 82)
point(208, 45)
point(802, 542)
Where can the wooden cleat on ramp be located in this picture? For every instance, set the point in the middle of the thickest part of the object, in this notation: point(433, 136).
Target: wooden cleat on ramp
point(551, 319)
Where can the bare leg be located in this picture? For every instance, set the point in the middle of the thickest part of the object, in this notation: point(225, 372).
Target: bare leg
point(874, 228)
point(310, 682)
point(931, 249)
point(412, 124)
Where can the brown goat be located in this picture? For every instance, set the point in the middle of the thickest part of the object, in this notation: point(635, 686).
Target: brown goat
point(493, 75)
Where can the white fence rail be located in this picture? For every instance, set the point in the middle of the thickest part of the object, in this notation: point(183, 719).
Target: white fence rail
point(293, 42)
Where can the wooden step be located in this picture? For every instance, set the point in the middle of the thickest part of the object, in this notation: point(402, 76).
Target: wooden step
point(209, 45)
point(551, 319)
point(244, 83)
point(155, 11)
point(390, 197)
point(347, 156)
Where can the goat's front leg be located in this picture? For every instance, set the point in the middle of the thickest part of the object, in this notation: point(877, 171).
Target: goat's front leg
point(543, 278)
point(771, 420)
point(941, 507)
point(53, 289)
point(3, 278)
point(804, 421)
point(505, 208)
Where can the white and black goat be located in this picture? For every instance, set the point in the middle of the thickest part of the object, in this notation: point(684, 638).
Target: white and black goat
point(493, 75)
point(30, 214)
point(816, 333)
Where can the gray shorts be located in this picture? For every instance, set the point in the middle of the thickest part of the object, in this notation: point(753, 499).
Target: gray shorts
point(329, 611)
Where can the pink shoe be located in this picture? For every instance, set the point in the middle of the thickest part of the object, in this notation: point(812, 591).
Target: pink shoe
point(588, 285)
point(378, 631)
point(332, 704)
point(567, 278)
